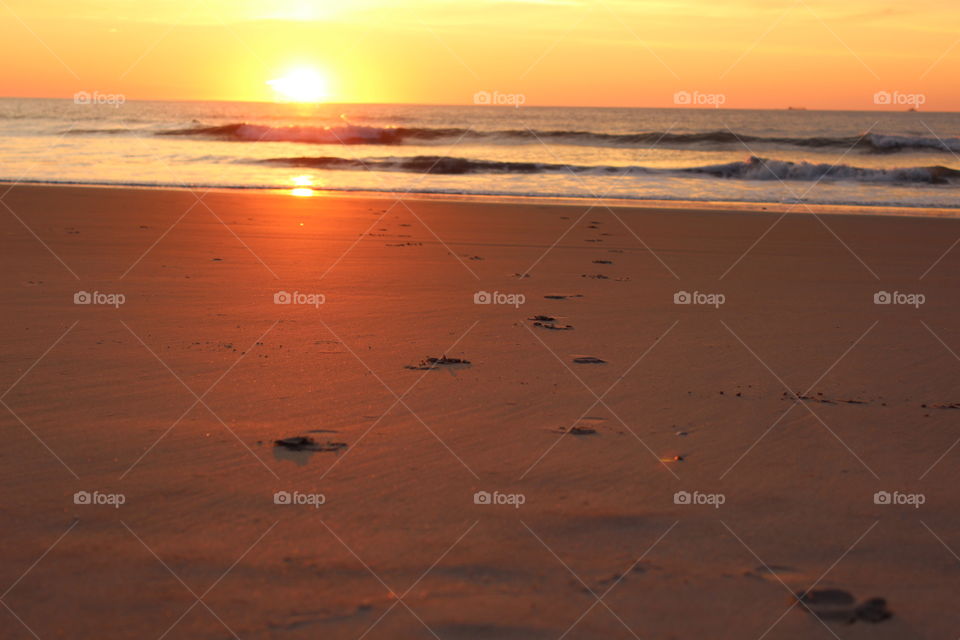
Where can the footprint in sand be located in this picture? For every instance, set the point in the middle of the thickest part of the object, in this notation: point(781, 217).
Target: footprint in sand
point(549, 322)
point(819, 398)
point(553, 327)
point(943, 405)
point(299, 449)
point(837, 605)
point(587, 426)
point(435, 363)
point(588, 360)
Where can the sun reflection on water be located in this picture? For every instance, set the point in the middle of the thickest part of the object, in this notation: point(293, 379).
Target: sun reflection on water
point(303, 186)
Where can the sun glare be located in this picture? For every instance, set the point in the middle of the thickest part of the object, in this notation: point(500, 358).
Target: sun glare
point(301, 85)
point(303, 186)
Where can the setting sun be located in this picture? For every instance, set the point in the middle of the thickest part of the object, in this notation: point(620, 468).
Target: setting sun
point(301, 85)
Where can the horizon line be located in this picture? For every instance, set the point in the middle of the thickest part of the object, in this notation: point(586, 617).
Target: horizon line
point(545, 106)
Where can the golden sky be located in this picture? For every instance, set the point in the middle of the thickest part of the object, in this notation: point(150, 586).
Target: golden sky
point(754, 53)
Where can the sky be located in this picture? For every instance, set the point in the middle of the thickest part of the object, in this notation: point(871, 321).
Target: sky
point(816, 54)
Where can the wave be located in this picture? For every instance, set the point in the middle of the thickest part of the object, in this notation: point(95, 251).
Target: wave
point(764, 169)
point(753, 169)
point(347, 134)
point(350, 134)
point(102, 132)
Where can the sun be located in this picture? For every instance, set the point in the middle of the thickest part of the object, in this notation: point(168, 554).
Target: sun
point(303, 84)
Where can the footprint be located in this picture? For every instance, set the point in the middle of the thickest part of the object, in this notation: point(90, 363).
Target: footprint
point(588, 360)
point(837, 605)
point(587, 426)
point(554, 327)
point(873, 610)
point(299, 449)
point(428, 364)
point(944, 405)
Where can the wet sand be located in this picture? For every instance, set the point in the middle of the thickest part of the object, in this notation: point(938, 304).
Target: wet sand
point(778, 403)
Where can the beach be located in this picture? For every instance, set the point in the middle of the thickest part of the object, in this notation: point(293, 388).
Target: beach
point(719, 409)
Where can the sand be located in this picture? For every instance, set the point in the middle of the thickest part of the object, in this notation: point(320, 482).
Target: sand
point(170, 404)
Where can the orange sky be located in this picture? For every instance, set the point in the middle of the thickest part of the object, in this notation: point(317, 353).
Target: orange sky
point(754, 53)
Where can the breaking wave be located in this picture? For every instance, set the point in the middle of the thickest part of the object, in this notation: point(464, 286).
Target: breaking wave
point(350, 134)
point(753, 169)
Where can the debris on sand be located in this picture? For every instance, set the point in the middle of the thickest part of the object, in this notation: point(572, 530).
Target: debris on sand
point(603, 262)
point(433, 363)
point(588, 360)
point(306, 443)
point(562, 296)
point(540, 318)
point(595, 276)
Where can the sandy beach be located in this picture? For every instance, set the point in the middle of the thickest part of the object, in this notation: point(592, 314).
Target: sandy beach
point(654, 469)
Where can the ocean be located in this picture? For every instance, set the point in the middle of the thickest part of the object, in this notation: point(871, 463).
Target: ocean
point(875, 159)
